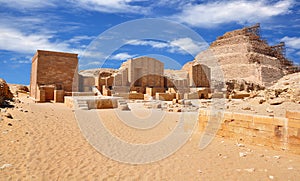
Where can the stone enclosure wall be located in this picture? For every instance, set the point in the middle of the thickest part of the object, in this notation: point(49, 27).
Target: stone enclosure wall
point(276, 132)
point(55, 69)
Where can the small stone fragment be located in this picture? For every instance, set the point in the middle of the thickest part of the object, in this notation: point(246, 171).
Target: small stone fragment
point(8, 115)
point(277, 156)
point(262, 100)
point(5, 166)
point(240, 145)
point(276, 101)
point(249, 169)
point(246, 108)
point(242, 154)
point(269, 110)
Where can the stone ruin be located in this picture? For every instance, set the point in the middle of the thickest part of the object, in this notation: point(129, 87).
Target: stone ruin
point(53, 75)
point(145, 78)
point(247, 61)
point(243, 54)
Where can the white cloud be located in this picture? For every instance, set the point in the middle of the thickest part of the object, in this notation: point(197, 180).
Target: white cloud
point(154, 44)
point(112, 6)
point(181, 45)
point(28, 4)
point(78, 39)
point(16, 41)
point(292, 42)
point(240, 11)
point(189, 45)
point(122, 56)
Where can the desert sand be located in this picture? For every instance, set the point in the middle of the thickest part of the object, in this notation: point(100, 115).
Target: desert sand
point(44, 142)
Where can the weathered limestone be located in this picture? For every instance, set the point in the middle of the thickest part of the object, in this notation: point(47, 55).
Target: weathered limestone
point(276, 132)
point(165, 96)
point(4, 92)
point(56, 69)
point(243, 54)
point(91, 102)
point(59, 95)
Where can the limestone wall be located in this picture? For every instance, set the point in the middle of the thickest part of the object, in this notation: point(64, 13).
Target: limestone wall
point(143, 66)
point(276, 132)
point(53, 68)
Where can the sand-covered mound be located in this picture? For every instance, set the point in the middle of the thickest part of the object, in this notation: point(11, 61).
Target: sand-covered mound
point(4, 92)
point(16, 88)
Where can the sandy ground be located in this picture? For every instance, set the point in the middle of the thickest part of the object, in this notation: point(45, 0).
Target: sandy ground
point(45, 143)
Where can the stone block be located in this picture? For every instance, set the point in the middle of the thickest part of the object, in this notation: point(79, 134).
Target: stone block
point(295, 123)
point(238, 123)
point(294, 132)
point(262, 127)
point(136, 96)
point(244, 117)
point(280, 121)
point(165, 96)
point(240, 95)
point(218, 95)
point(292, 114)
point(41, 96)
point(263, 119)
point(59, 95)
point(192, 95)
point(106, 103)
point(179, 96)
point(228, 116)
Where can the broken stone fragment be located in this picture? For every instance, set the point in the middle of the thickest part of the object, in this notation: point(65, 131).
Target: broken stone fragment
point(269, 110)
point(276, 101)
point(246, 108)
point(250, 170)
point(262, 100)
point(8, 115)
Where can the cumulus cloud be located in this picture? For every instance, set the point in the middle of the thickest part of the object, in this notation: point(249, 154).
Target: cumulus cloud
point(28, 4)
point(212, 14)
point(181, 45)
point(292, 42)
point(16, 41)
point(122, 56)
point(112, 6)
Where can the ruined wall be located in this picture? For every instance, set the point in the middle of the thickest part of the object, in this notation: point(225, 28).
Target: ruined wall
point(142, 66)
point(276, 132)
point(53, 68)
point(199, 76)
point(139, 73)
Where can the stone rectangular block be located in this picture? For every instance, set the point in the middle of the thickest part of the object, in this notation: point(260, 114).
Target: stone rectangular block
point(292, 114)
point(280, 121)
point(262, 127)
point(59, 95)
point(295, 123)
point(263, 119)
point(244, 117)
point(165, 96)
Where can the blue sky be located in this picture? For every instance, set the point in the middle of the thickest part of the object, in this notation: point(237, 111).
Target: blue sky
point(71, 25)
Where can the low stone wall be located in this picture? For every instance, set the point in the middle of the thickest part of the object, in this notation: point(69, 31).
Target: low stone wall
point(276, 132)
point(92, 102)
point(130, 95)
point(165, 96)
